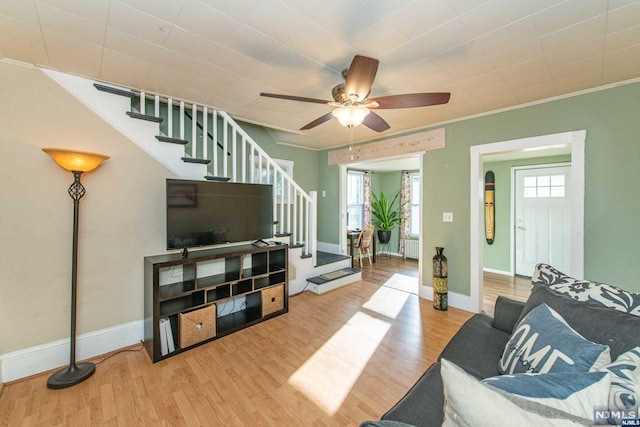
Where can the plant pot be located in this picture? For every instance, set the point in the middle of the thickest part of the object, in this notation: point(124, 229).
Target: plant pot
point(384, 236)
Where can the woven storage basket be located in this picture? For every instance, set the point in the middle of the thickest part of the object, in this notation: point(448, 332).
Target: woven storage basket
point(197, 326)
point(272, 299)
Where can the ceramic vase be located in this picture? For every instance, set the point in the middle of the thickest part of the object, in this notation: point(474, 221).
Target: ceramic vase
point(440, 283)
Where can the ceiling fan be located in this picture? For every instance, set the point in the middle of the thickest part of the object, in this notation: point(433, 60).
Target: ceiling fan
point(352, 98)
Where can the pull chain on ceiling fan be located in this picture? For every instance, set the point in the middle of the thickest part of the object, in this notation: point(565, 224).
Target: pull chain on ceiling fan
point(352, 102)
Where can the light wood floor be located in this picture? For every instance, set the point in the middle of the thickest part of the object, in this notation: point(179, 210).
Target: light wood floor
point(333, 360)
point(386, 270)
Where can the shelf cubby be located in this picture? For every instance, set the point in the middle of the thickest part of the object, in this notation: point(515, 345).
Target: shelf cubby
point(277, 260)
point(242, 287)
point(218, 279)
point(218, 293)
point(236, 321)
point(261, 282)
point(182, 303)
point(277, 278)
point(175, 289)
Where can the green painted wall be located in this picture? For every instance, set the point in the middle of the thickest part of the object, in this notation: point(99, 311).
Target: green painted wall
point(496, 256)
point(390, 183)
point(612, 196)
point(328, 206)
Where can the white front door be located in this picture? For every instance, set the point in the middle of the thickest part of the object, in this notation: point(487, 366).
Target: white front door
point(542, 218)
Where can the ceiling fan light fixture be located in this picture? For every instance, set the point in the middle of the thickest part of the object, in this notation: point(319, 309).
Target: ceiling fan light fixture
point(350, 115)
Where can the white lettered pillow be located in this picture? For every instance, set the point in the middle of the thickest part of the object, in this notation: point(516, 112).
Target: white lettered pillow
point(543, 342)
point(577, 394)
point(469, 402)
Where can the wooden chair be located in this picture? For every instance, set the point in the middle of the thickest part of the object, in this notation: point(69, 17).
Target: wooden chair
point(363, 244)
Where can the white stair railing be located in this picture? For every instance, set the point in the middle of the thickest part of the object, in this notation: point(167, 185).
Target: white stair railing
point(238, 156)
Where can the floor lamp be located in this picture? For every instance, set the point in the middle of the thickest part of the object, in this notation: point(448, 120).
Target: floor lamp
point(77, 162)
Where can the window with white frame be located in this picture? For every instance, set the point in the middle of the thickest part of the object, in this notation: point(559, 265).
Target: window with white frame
point(355, 200)
point(264, 175)
point(414, 218)
point(544, 186)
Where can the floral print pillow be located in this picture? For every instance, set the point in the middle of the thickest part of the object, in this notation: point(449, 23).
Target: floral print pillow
point(595, 293)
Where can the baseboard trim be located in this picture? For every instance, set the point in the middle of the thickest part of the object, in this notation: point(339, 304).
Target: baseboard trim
point(45, 357)
point(463, 302)
point(501, 272)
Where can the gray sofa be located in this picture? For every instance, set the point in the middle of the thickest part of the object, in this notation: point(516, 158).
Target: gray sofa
point(600, 313)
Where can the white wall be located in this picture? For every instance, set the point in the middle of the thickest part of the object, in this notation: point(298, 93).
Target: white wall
point(121, 217)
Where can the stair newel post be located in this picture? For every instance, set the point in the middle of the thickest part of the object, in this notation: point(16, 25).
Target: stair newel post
point(288, 202)
point(170, 117)
point(214, 147)
point(181, 120)
point(156, 106)
point(312, 225)
point(234, 157)
point(143, 106)
point(194, 122)
point(205, 141)
point(275, 181)
point(244, 159)
point(225, 145)
point(275, 196)
point(294, 228)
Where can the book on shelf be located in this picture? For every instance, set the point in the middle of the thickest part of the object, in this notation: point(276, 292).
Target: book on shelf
point(167, 344)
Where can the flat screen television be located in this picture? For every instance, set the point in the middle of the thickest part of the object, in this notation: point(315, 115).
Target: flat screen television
point(202, 213)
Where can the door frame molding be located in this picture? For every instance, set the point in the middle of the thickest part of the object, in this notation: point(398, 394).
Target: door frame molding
point(512, 213)
point(576, 140)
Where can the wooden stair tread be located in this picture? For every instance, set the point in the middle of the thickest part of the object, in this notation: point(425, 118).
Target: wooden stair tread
point(114, 90)
point(171, 140)
point(333, 275)
point(194, 160)
point(134, 115)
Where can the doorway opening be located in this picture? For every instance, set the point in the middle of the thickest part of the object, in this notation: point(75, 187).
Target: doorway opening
point(575, 141)
point(390, 267)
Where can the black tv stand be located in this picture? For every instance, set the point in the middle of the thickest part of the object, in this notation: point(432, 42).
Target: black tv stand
point(185, 253)
point(254, 277)
point(259, 243)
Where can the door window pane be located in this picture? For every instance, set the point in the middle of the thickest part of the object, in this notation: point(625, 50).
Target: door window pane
point(544, 186)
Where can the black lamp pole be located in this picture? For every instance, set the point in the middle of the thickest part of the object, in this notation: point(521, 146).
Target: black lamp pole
point(75, 372)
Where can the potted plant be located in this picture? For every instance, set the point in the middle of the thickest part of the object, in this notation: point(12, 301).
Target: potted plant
point(385, 216)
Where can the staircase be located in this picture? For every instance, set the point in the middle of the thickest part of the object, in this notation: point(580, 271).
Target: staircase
point(198, 142)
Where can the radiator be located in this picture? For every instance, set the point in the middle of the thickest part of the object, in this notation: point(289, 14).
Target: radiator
point(411, 249)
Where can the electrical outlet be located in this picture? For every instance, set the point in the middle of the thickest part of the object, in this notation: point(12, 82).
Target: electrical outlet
point(324, 193)
point(447, 216)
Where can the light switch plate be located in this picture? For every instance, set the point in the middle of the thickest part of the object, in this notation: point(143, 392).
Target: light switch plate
point(447, 216)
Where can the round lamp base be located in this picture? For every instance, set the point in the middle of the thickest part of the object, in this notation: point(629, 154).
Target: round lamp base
point(71, 375)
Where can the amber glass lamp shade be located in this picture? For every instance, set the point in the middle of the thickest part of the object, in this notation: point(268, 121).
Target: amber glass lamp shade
point(76, 161)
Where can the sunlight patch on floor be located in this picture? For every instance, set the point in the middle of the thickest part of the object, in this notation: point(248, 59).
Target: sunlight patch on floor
point(328, 376)
point(386, 302)
point(403, 282)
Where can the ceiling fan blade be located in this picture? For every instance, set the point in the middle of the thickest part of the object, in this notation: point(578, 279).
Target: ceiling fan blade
point(375, 122)
point(318, 121)
point(360, 76)
point(295, 98)
point(410, 100)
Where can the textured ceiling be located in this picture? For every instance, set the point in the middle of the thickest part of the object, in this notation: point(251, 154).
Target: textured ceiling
point(489, 54)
